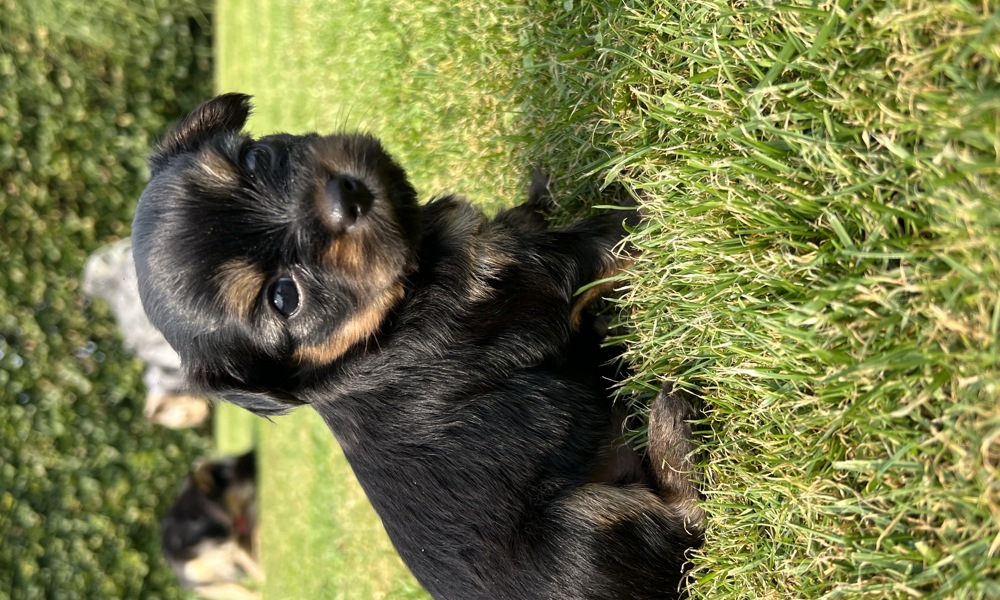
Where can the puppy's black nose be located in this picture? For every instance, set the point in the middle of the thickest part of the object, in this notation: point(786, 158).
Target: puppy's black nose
point(349, 200)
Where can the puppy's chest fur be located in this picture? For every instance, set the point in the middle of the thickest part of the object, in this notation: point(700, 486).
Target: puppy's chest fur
point(469, 383)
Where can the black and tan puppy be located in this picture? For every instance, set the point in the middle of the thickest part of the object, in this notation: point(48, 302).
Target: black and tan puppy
point(446, 351)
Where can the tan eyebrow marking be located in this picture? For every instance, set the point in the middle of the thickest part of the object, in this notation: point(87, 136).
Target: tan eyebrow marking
point(218, 169)
point(239, 285)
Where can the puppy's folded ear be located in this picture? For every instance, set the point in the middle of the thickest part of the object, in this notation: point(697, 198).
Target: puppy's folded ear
point(224, 113)
point(264, 404)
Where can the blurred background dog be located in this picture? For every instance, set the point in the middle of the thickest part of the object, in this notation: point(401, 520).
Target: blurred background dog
point(210, 535)
point(110, 275)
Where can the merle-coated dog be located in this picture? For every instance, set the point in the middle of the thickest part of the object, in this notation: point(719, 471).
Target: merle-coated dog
point(449, 354)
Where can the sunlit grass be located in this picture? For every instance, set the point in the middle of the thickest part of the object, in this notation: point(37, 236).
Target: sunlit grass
point(820, 258)
point(820, 265)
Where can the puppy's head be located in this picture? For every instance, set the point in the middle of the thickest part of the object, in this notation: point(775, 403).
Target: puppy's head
point(257, 258)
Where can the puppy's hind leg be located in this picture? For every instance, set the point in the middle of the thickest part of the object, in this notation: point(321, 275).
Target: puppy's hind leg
point(670, 452)
point(610, 542)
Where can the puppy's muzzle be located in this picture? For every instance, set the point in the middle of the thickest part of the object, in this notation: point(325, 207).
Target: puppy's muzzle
point(348, 201)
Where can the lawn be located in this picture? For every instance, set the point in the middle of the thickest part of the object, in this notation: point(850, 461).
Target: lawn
point(821, 255)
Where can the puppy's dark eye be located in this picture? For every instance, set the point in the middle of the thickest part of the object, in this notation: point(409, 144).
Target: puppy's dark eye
point(256, 158)
point(284, 296)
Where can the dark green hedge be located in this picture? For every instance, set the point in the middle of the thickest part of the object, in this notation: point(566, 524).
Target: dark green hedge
point(84, 90)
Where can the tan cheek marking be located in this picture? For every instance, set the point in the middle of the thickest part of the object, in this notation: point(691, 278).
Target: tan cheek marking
point(239, 285)
point(359, 258)
point(357, 328)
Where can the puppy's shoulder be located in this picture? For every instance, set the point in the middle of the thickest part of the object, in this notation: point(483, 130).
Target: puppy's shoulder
point(452, 219)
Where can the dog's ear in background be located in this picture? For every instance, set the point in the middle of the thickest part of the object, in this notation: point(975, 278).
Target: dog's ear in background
point(225, 113)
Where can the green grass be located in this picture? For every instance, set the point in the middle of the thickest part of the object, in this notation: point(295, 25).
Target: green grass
point(821, 254)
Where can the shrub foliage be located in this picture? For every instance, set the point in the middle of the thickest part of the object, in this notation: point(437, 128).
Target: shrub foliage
point(84, 89)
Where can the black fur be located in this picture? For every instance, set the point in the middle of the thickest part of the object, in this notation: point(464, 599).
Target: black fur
point(447, 352)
